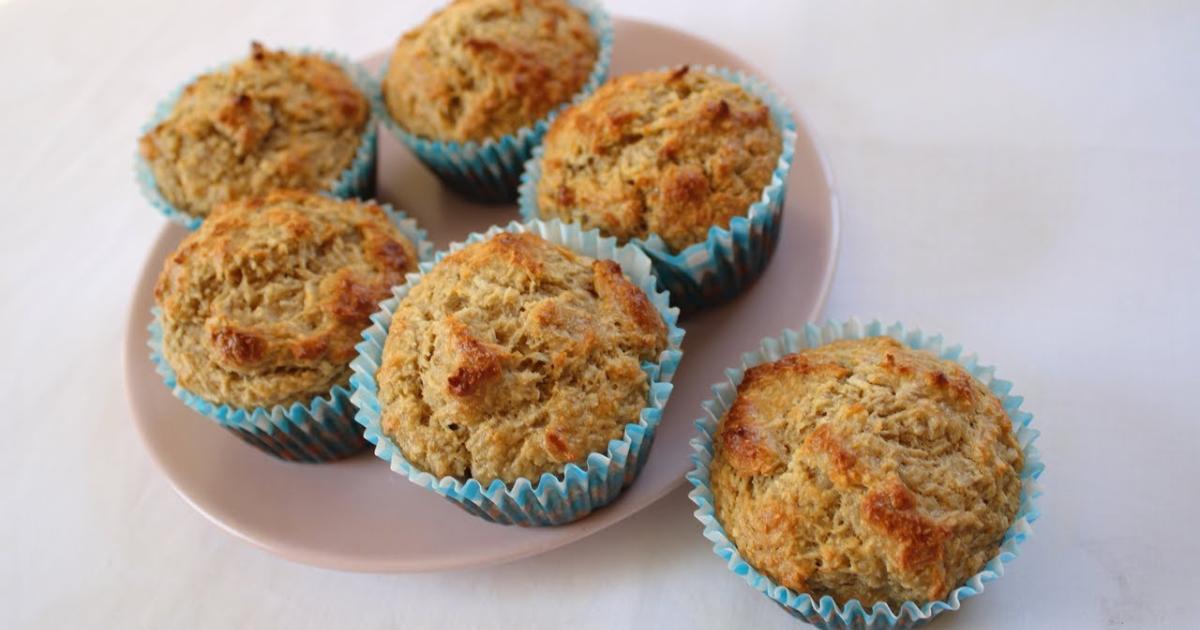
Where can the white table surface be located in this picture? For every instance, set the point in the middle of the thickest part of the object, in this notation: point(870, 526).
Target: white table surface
point(1021, 176)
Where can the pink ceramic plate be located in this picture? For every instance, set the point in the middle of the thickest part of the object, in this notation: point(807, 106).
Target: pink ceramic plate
point(357, 514)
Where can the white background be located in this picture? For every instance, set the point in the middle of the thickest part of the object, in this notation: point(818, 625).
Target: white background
point(1022, 176)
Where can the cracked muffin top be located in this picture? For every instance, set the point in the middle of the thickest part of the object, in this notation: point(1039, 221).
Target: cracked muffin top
point(263, 304)
point(671, 153)
point(274, 120)
point(865, 469)
point(514, 357)
point(480, 69)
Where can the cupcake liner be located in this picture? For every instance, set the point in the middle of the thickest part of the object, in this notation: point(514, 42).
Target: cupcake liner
point(826, 613)
point(324, 430)
point(490, 170)
point(551, 499)
point(358, 180)
point(728, 260)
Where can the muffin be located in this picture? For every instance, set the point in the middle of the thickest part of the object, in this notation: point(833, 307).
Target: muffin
point(668, 159)
point(479, 73)
point(481, 69)
point(533, 362)
point(866, 470)
point(274, 120)
point(884, 476)
point(262, 306)
point(514, 357)
point(671, 153)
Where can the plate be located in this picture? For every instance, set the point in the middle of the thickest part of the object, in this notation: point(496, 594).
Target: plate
point(357, 514)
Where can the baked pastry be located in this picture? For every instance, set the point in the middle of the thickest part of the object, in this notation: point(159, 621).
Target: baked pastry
point(481, 69)
point(274, 120)
point(263, 304)
point(514, 357)
point(864, 469)
point(671, 153)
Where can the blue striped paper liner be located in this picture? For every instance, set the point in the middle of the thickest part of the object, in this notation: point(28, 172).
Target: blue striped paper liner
point(729, 259)
point(323, 430)
point(826, 613)
point(358, 180)
point(551, 499)
point(490, 170)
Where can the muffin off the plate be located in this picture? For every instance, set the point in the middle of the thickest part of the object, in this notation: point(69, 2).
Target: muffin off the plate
point(261, 307)
point(275, 120)
point(866, 470)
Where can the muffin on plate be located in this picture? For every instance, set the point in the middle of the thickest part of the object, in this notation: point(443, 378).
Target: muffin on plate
point(471, 89)
point(274, 120)
point(522, 358)
point(669, 159)
point(259, 310)
point(879, 476)
point(514, 357)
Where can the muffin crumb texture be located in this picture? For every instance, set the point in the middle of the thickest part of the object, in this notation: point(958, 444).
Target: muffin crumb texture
point(264, 303)
point(274, 120)
point(514, 357)
point(671, 153)
point(481, 69)
point(864, 469)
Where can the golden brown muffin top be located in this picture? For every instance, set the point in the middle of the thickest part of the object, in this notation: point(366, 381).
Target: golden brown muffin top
point(514, 357)
point(666, 152)
point(865, 469)
point(480, 69)
point(263, 304)
point(274, 120)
